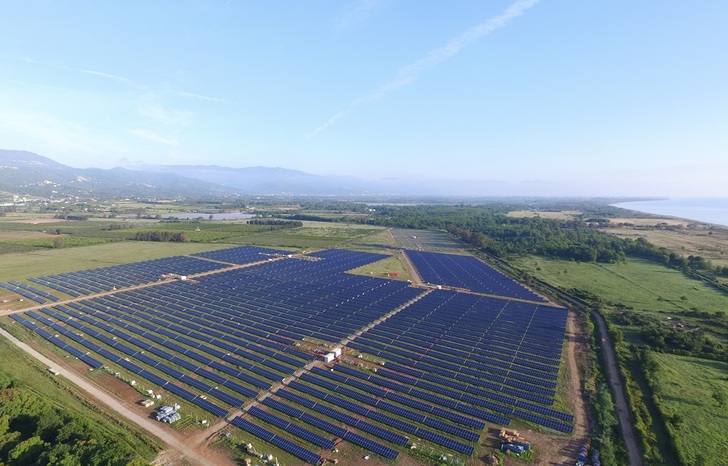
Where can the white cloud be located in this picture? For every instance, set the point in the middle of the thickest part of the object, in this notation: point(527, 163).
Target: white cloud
point(411, 72)
point(112, 77)
point(190, 95)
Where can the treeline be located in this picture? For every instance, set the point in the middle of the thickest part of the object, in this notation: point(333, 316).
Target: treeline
point(283, 224)
point(32, 432)
point(161, 236)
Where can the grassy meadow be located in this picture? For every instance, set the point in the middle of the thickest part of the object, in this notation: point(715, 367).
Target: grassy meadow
point(639, 284)
point(693, 399)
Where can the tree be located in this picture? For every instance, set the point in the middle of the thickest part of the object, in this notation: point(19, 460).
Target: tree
point(58, 242)
point(27, 451)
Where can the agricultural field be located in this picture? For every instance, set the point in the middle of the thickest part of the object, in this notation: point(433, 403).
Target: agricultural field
point(710, 243)
point(638, 284)
point(693, 398)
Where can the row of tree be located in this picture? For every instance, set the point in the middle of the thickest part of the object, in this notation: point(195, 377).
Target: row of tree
point(283, 224)
point(161, 236)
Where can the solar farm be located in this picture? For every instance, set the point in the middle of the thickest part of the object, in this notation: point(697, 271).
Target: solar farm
point(241, 334)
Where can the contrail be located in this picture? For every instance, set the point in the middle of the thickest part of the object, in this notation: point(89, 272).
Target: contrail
point(411, 72)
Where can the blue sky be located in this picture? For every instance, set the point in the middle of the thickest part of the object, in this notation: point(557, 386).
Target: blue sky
point(596, 98)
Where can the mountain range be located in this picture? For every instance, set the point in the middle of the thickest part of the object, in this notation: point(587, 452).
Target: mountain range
point(27, 173)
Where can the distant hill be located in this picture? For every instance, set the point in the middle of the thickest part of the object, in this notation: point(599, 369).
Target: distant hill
point(264, 180)
point(26, 173)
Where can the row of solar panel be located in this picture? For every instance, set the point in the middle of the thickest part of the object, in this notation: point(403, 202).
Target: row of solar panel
point(329, 427)
point(439, 357)
point(247, 366)
point(109, 278)
point(508, 410)
point(200, 370)
point(468, 395)
point(235, 302)
point(368, 413)
point(497, 343)
point(419, 394)
point(184, 394)
point(33, 290)
point(467, 272)
point(418, 319)
point(91, 361)
point(196, 326)
point(348, 420)
point(467, 307)
point(428, 364)
point(161, 326)
point(487, 316)
point(34, 296)
point(301, 318)
point(409, 402)
point(214, 391)
point(475, 333)
point(292, 428)
point(445, 353)
point(475, 353)
point(268, 436)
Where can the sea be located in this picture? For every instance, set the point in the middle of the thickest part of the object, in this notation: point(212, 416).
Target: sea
point(713, 211)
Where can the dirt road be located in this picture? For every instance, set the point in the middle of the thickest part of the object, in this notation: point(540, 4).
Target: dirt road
point(172, 441)
point(615, 382)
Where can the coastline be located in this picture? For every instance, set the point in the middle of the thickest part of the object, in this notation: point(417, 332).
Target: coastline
point(709, 211)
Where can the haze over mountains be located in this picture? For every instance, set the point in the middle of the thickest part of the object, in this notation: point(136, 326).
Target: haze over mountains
point(27, 173)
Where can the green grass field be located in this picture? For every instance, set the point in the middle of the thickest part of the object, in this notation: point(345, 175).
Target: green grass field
point(690, 390)
point(643, 285)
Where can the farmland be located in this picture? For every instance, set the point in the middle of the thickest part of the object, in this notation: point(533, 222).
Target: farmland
point(639, 284)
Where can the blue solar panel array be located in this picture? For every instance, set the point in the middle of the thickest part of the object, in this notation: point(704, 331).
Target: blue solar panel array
point(103, 279)
point(91, 361)
point(113, 357)
point(39, 296)
point(467, 272)
point(474, 354)
point(268, 436)
point(454, 360)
